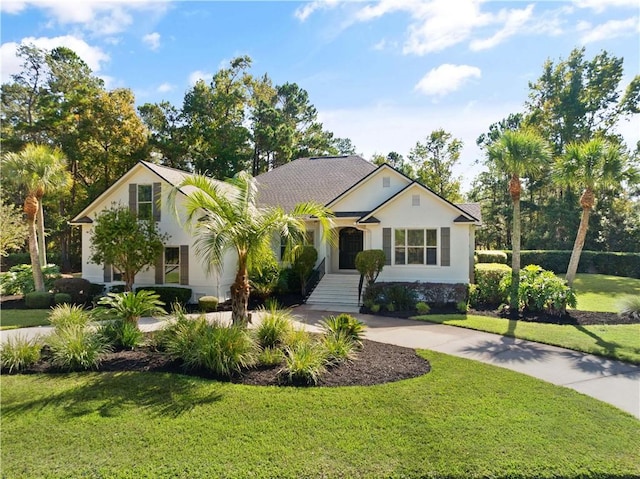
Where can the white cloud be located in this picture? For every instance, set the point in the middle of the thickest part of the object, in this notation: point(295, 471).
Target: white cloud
point(602, 5)
point(199, 75)
point(513, 23)
point(446, 78)
point(165, 87)
point(305, 11)
point(11, 64)
point(610, 29)
point(99, 17)
point(152, 40)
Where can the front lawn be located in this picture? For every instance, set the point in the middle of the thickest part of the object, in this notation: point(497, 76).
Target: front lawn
point(599, 292)
point(617, 341)
point(24, 318)
point(463, 419)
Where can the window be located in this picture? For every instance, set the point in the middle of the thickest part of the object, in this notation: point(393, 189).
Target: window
point(145, 202)
point(172, 265)
point(116, 274)
point(416, 246)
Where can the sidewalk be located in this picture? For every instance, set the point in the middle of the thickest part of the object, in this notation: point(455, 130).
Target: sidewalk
point(614, 382)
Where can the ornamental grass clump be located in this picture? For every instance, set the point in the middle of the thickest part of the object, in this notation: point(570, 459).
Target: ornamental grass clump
point(122, 334)
point(18, 353)
point(304, 363)
point(344, 323)
point(274, 327)
point(66, 315)
point(338, 348)
point(77, 347)
point(630, 306)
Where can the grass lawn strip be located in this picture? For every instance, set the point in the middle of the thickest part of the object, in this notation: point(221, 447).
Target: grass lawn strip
point(463, 419)
point(616, 341)
point(599, 292)
point(24, 318)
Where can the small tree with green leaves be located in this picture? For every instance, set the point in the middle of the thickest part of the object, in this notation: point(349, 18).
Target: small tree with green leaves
point(131, 245)
point(370, 263)
point(305, 260)
point(13, 229)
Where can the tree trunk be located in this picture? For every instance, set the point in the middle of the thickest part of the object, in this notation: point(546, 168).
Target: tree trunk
point(572, 269)
point(31, 210)
point(240, 296)
point(42, 248)
point(515, 257)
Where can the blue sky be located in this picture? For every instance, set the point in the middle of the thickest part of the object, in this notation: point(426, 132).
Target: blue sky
point(383, 73)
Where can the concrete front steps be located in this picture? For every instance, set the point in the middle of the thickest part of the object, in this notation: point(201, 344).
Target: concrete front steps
point(336, 292)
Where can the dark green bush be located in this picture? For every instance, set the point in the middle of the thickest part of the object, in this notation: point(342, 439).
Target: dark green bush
point(208, 304)
point(303, 265)
point(488, 277)
point(122, 334)
point(78, 289)
point(263, 277)
point(38, 300)
point(288, 281)
point(14, 259)
point(601, 262)
point(96, 289)
point(62, 298)
point(369, 264)
point(170, 294)
point(491, 256)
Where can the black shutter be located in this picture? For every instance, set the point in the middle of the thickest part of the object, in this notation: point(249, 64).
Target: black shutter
point(157, 205)
point(184, 264)
point(159, 272)
point(133, 198)
point(445, 247)
point(386, 244)
point(106, 273)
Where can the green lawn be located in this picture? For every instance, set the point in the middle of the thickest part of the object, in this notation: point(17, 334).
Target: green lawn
point(463, 420)
point(599, 292)
point(618, 341)
point(23, 318)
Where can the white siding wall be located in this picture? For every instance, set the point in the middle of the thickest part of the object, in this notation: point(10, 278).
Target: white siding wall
point(217, 284)
point(371, 193)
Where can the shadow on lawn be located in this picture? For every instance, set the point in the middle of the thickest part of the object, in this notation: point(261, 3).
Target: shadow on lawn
point(110, 394)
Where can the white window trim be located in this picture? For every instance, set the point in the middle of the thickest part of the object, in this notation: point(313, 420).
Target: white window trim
point(425, 247)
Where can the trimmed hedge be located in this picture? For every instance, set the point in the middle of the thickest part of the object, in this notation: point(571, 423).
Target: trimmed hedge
point(169, 294)
point(38, 300)
point(491, 256)
point(488, 277)
point(78, 289)
point(62, 298)
point(208, 304)
point(601, 262)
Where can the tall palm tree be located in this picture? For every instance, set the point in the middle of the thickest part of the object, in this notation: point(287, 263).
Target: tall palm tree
point(35, 170)
point(224, 216)
point(593, 166)
point(518, 153)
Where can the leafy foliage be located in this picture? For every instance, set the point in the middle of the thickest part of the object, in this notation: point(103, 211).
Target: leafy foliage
point(122, 334)
point(208, 304)
point(18, 353)
point(303, 264)
point(630, 306)
point(304, 363)
point(79, 289)
point(338, 347)
point(130, 306)
point(170, 294)
point(77, 347)
point(38, 300)
point(275, 325)
point(14, 230)
point(65, 315)
point(489, 256)
point(19, 279)
point(345, 324)
point(487, 279)
point(370, 263)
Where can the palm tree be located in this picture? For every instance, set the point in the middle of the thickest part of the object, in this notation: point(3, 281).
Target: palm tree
point(518, 153)
point(36, 169)
point(224, 216)
point(592, 166)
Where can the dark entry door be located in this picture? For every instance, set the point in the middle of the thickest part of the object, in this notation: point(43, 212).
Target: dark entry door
point(350, 245)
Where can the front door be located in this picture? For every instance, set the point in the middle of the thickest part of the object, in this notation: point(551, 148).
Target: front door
point(351, 243)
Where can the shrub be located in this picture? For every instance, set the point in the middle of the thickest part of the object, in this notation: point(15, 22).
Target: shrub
point(65, 315)
point(19, 279)
point(78, 289)
point(338, 347)
point(488, 277)
point(630, 306)
point(303, 265)
point(169, 294)
point(122, 334)
point(14, 259)
point(370, 263)
point(422, 307)
point(96, 289)
point(491, 256)
point(38, 300)
point(474, 295)
point(295, 337)
point(541, 290)
point(404, 299)
point(274, 327)
point(176, 337)
point(208, 304)
point(462, 307)
point(18, 353)
point(62, 298)
point(375, 308)
point(304, 363)
point(263, 277)
point(77, 347)
point(271, 356)
point(130, 306)
point(390, 307)
point(220, 349)
point(288, 281)
point(344, 324)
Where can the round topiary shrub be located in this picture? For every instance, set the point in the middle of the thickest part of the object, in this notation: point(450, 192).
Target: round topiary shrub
point(78, 289)
point(208, 304)
point(38, 300)
point(61, 298)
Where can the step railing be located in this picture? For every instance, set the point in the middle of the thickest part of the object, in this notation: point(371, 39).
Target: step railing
point(314, 279)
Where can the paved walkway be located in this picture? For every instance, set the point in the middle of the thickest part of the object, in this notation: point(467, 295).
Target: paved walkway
point(610, 381)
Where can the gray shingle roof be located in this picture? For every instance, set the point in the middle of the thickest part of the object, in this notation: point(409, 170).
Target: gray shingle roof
point(473, 209)
point(318, 179)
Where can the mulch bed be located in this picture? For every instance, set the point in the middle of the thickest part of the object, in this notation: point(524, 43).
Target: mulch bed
point(376, 363)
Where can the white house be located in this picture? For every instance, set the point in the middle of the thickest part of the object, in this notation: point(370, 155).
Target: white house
point(425, 237)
